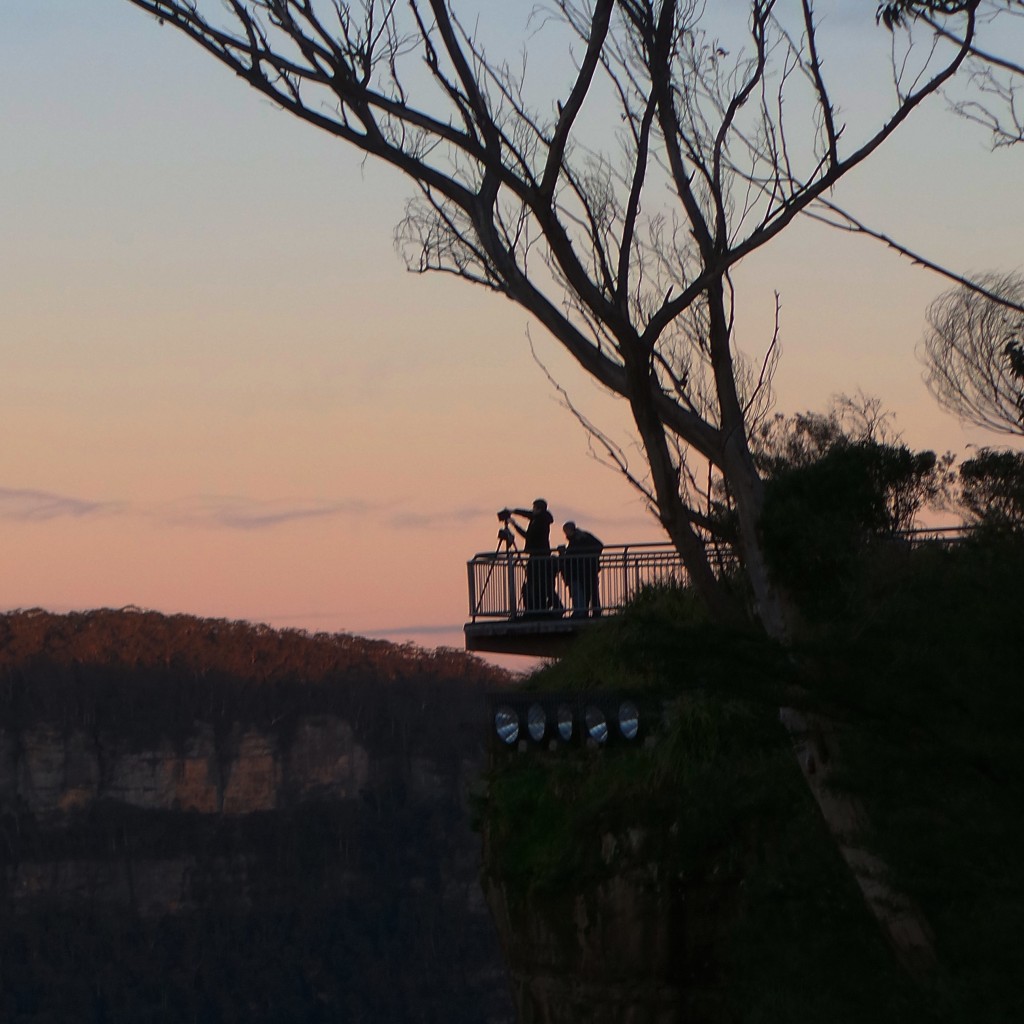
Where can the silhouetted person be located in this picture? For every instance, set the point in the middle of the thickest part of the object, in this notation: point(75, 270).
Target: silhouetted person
point(539, 588)
point(580, 564)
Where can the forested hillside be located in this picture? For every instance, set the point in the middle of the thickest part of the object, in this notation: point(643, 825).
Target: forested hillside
point(212, 821)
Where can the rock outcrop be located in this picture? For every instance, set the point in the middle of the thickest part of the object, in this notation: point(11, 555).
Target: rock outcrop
point(47, 772)
point(180, 841)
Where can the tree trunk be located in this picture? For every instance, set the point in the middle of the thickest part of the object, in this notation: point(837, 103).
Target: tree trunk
point(770, 606)
point(737, 466)
point(672, 509)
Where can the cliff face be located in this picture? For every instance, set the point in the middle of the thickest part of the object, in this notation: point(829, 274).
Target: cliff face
point(49, 772)
point(181, 844)
point(635, 883)
point(621, 937)
point(56, 780)
point(611, 955)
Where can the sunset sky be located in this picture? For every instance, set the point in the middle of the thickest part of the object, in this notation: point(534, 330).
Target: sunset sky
point(221, 393)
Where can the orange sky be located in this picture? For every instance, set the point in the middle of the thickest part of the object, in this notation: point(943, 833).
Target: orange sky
point(221, 393)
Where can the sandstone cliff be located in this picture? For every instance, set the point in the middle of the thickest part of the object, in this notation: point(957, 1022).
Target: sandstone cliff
point(209, 821)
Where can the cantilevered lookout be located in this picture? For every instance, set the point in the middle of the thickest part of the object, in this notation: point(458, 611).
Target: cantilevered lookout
point(504, 619)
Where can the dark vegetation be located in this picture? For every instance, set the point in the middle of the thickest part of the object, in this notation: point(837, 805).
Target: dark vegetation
point(914, 652)
point(339, 910)
point(148, 677)
point(992, 489)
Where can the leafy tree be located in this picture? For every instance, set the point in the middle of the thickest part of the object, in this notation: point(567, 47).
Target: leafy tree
point(973, 357)
point(818, 517)
point(836, 482)
point(614, 211)
point(992, 489)
point(787, 442)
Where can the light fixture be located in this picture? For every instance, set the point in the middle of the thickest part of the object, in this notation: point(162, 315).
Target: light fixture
point(536, 721)
point(597, 725)
point(629, 720)
point(565, 722)
point(506, 724)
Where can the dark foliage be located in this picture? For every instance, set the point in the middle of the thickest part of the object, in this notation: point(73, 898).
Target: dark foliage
point(1014, 352)
point(924, 674)
point(149, 677)
point(992, 489)
point(895, 13)
point(763, 922)
point(819, 516)
point(920, 678)
point(134, 638)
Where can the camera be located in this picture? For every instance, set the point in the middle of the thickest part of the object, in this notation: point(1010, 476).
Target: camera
point(504, 515)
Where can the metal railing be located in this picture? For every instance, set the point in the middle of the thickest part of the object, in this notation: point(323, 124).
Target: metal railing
point(499, 589)
point(945, 536)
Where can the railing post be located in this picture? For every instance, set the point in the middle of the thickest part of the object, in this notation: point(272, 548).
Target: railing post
point(510, 566)
point(624, 598)
point(471, 568)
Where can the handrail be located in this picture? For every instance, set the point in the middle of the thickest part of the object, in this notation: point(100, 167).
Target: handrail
point(510, 584)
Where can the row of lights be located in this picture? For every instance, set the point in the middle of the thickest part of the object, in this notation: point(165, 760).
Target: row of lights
point(595, 723)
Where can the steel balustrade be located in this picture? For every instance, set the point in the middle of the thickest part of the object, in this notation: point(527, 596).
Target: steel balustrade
point(497, 579)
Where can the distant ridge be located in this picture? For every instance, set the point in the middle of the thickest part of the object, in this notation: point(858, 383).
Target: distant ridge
point(133, 637)
point(147, 675)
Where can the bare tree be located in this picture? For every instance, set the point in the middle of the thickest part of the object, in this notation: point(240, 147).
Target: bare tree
point(615, 211)
point(993, 95)
point(972, 354)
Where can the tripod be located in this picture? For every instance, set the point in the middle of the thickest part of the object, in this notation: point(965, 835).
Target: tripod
point(506, 540)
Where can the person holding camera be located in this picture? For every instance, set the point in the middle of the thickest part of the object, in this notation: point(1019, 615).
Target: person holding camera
point(539, 589)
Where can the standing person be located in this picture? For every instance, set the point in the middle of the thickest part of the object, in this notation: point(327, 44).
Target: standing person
point(539, 588)
point(580, 563)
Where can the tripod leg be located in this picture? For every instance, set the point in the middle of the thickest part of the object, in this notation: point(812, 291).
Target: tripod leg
point(510, 546)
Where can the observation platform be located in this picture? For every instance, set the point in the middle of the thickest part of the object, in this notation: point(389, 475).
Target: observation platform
point(521, 604)
point(507, 617)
